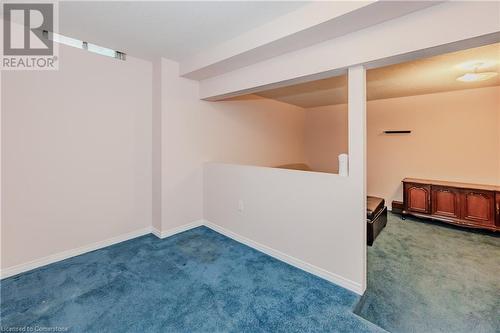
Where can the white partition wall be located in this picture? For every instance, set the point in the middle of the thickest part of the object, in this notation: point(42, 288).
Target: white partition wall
point(357, 155)
point(315, 221)
point(304, 218)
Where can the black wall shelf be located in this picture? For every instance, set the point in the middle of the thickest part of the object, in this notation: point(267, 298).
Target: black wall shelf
point(398, 132)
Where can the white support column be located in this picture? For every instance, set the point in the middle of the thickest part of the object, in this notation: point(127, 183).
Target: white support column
point(357, 152)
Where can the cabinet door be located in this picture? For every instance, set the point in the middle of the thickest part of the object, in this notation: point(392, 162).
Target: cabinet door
point(417, 198)
point(497, 209)
point(445, 201)
point(478, 207)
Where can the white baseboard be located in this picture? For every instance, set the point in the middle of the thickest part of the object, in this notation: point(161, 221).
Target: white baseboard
point(13, 270)
point(177, 230)
point(10, 271)
point(329, 276)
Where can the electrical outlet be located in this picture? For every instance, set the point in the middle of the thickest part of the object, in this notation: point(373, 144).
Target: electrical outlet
point(241, 206)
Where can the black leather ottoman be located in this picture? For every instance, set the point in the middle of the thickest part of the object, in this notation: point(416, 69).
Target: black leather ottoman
point(376, 218)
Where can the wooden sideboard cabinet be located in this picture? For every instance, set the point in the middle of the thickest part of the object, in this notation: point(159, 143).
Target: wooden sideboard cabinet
point(468, 205)
point(497, 208)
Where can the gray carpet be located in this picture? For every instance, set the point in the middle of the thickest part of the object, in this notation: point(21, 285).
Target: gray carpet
point(429, 277)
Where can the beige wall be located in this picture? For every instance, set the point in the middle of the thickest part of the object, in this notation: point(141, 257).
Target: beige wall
point(248, 130)
point(76, 154)
point(455, 136)
point(326, 136)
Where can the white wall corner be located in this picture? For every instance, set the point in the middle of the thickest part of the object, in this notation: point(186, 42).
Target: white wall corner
point(156, 142)
point(177, 230)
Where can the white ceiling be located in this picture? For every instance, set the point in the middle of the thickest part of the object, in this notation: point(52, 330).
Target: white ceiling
point(174, 30)
point(423, 76)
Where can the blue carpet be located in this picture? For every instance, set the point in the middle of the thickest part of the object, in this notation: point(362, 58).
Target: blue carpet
point(196, 281)
point(430, 277)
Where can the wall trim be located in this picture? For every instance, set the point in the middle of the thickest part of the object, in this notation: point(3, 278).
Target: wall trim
point(320, 272)
point(21, 268)
point(176, 230)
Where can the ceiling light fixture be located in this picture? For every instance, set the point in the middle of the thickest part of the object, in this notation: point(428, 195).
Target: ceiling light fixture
point(475, 77)
point(474, 65)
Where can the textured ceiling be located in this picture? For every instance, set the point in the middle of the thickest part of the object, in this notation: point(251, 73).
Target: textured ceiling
point(171, 29)
point(423, 76)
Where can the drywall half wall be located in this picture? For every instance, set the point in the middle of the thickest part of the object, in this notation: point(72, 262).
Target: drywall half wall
point(303, 218)
point(76, 157)
point(455, 136)
point(316, 221)
point(247, 130)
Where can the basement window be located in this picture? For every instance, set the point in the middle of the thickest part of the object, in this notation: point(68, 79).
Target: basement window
point(80, 44)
